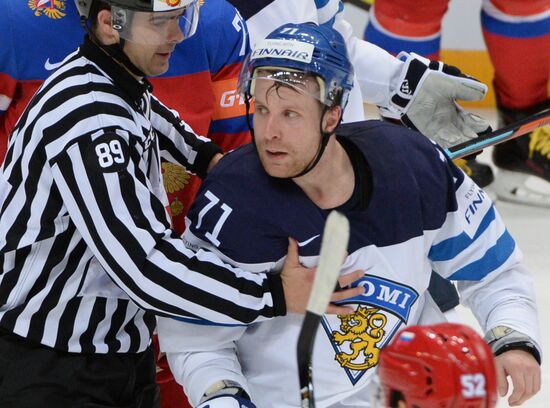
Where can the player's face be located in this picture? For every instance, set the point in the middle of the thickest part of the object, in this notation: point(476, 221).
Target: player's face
point(286, 127)
point(156, 36)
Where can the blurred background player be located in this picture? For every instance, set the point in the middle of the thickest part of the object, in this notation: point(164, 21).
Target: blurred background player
point(517, 35)
point(445, 365)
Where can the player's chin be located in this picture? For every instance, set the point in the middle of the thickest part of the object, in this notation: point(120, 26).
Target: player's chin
point(158, 67)
point(276, 170)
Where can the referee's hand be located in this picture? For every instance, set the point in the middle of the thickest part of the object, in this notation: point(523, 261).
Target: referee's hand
point(298, 282)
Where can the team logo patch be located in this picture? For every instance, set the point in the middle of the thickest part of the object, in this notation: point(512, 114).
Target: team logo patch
point(175, 178)
point(358, 338)
point(54, 9)
point(405, 87)
point(108, 153)
point(287, 49)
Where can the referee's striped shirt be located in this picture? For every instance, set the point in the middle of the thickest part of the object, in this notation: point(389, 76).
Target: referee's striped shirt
point(87, 256)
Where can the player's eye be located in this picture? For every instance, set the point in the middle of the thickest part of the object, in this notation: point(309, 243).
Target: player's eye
point(262, 110)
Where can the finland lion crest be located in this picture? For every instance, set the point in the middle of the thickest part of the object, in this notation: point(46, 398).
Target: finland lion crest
point(358, 338)
point(363, 329)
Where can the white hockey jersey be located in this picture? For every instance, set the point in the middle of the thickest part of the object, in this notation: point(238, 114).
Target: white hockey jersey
point(377, 73)
point(423, 214)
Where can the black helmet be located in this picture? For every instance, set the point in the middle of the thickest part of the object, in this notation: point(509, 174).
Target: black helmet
point(123, 12)
point(83, 6)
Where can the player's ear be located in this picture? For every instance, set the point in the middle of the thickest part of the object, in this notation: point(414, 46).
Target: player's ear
point(331, 119)
point(104, 30)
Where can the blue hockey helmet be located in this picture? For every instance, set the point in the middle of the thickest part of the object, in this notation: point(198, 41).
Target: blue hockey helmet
point(293, 51)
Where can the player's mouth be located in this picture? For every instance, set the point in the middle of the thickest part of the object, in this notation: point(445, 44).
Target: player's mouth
point(275, 154)
point(166, 53)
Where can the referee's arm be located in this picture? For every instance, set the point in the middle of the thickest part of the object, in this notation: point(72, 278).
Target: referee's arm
point(109, 198)
point(179, 143)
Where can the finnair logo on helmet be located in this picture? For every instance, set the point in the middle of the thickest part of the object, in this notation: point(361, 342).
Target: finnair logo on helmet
point(294, 50)
point(166, 5)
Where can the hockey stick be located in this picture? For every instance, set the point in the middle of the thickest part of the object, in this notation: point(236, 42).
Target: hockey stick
point(511, 131)
point(333, 251)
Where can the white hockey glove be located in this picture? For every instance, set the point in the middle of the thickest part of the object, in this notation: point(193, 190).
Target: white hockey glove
point(225, 394)
point(425, 100)
point(227, 401)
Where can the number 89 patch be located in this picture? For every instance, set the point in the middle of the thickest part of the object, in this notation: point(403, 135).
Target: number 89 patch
point(108, 153)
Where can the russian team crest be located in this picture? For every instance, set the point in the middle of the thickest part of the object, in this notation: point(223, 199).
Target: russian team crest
point(358, 338)
point(54, 9)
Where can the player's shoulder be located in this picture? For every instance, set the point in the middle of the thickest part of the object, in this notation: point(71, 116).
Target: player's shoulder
point(390, 135)
point(388, 141)
point(239, 167)
point(239, 176)
point(217, 11)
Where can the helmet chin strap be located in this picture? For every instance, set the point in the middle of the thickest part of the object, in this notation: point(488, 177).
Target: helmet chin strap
point(322, 145)
point(115, 51)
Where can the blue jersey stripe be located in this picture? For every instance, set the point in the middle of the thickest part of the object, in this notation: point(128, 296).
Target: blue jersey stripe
point(395, 45)
point(492, 260)
point(232, 125)
point(330, 23)
point(451, 247)
point(202, 322)
point(524, 29)
point(321, 3)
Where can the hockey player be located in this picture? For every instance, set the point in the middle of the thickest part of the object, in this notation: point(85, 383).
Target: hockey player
point(517, 35)
point(444, 365)
point(87, 254)
point(410, 210)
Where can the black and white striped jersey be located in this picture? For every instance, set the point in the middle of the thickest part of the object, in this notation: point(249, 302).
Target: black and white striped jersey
point(87, 255)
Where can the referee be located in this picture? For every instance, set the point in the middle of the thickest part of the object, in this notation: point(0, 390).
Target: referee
point(87, 255)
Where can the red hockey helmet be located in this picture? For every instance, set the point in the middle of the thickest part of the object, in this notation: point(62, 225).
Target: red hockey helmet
point(445, 365)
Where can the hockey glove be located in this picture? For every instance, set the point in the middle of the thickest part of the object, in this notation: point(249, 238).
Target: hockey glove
point(426, 101)
point(225, 394)
point(227, 401)
point(503, 338)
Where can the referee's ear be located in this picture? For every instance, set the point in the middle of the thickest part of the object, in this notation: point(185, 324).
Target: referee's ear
point(104, 28)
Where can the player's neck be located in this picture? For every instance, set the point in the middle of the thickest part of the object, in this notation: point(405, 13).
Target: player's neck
point(330, 183)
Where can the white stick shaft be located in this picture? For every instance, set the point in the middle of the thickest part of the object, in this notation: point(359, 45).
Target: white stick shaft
point(333, 252)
